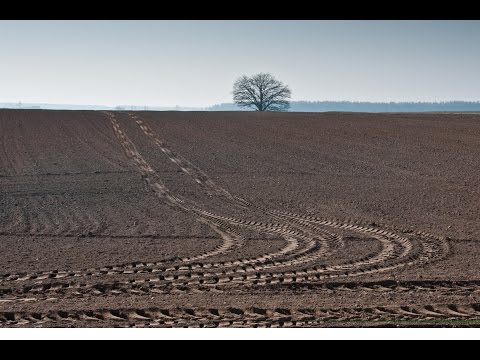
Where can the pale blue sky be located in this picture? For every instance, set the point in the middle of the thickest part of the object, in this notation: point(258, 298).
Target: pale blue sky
point(194, 63)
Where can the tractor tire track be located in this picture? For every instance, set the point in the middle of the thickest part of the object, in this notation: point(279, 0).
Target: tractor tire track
point(315, 273)
point(58, 290)
point(249, 317)
point(244, 276)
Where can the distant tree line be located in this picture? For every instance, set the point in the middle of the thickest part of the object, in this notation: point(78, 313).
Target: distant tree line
point(320, 106)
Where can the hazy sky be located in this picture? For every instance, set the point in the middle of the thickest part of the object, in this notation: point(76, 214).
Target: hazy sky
point(194, 63)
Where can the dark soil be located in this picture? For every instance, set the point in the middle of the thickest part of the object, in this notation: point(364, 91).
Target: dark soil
point(239, 219)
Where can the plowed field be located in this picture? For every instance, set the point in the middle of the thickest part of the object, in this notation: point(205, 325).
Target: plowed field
point(238, 219)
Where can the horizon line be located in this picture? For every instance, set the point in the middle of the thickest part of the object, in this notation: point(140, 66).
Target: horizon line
point(232, 103)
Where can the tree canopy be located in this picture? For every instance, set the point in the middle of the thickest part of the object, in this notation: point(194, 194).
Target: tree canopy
point(262, 92)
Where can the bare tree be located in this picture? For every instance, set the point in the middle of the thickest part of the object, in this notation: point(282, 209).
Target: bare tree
point(262, 92)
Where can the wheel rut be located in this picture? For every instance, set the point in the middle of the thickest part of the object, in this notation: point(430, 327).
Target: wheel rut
point(422, 315)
